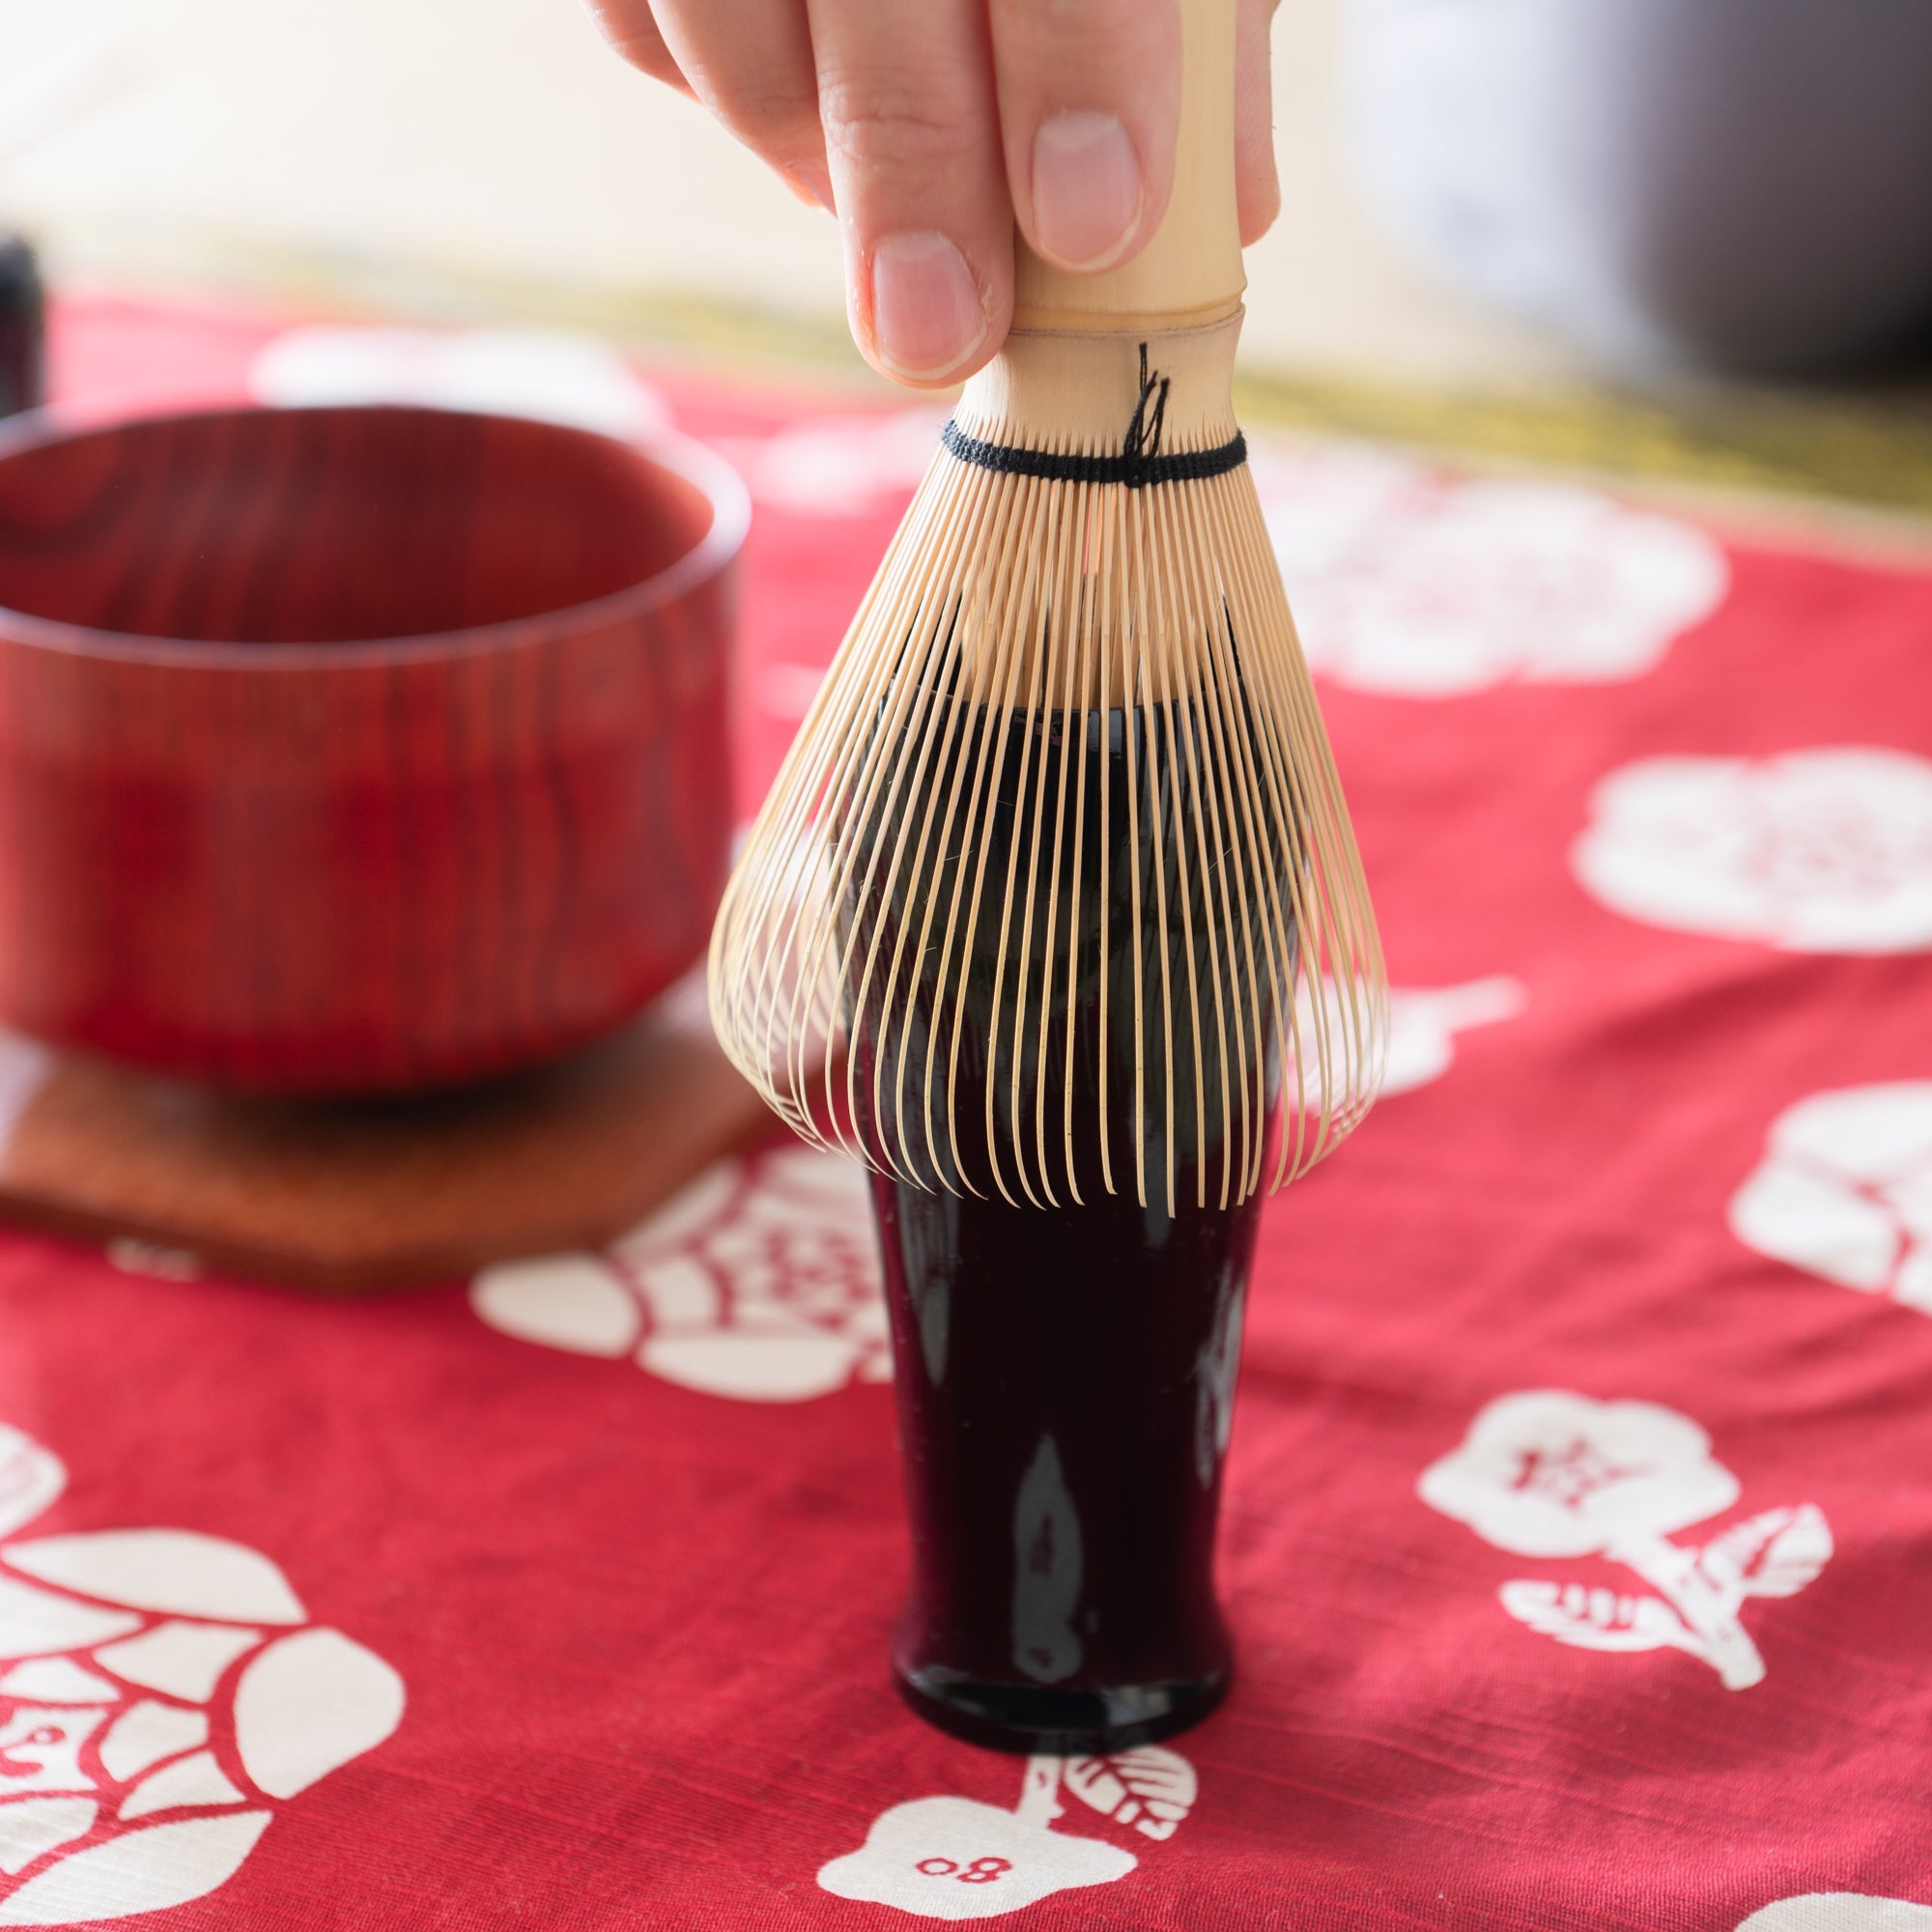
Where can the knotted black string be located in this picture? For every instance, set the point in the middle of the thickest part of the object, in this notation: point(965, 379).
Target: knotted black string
point(1138, 464)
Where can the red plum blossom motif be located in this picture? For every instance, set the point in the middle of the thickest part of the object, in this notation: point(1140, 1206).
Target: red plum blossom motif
point(1548, 1473)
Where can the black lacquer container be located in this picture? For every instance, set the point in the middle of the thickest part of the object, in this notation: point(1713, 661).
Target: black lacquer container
point(23, 327)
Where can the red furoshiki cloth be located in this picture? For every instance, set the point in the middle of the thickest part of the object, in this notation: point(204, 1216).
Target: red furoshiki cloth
point(1578, 1527)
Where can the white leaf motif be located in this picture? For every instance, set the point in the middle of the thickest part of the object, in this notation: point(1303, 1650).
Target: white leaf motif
point(309, 1703)
point(139, 1871)
point(173, 1570)
point(1149, 1789)
point(1596, 1619)
point(1775, 1554)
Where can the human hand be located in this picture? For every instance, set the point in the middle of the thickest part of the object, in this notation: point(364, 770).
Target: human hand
point(933, 126)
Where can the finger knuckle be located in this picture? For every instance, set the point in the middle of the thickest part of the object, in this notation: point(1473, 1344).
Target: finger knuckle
point(876, 120)
point(766, 115)
point(1076, 26)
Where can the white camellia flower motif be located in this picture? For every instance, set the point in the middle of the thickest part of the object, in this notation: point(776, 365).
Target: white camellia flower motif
point(955, 1858)
point(1839, 1911)
point(1410, 582)
point(760, 1281)
point(160, 1690)
point(1822, 850)
point(1548, 1473)
point(1845, 1190)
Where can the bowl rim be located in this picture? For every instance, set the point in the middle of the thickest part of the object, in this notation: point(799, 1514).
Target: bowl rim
point(682, 456)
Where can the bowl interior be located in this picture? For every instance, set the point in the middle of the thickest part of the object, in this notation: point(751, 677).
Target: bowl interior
point(318, 526)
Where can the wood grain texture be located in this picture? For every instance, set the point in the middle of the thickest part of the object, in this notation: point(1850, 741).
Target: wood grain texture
point(352, 1197)
point(353, 749)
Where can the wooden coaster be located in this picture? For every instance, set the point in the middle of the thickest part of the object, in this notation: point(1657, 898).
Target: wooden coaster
point(352, 1197)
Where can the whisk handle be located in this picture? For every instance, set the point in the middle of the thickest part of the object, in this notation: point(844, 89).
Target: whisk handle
point(1191, 271)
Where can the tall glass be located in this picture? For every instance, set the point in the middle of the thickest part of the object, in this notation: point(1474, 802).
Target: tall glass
point(1065, 1368)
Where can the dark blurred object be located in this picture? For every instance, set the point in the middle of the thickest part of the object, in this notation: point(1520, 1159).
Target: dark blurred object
point(1745, 182)
point(358, 750)
point(23, 327)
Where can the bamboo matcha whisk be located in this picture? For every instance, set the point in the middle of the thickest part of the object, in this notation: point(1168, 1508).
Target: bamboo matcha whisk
point(1056, 893)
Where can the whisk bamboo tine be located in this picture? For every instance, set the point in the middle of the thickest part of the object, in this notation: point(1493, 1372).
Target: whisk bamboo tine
point(1056, 894)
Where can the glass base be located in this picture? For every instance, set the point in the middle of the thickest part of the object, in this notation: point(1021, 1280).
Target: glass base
point(1029, 1718)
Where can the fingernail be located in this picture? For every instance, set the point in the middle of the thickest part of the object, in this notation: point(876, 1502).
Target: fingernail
point(1086, 189)
point(927, 313)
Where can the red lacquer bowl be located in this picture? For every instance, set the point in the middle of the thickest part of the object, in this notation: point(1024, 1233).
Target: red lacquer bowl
point(356, 749)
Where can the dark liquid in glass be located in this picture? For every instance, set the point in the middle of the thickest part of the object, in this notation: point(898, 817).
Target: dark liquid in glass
point(1065, 1371)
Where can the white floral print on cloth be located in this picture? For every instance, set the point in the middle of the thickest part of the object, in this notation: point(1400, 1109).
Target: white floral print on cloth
point(1548, 1473)
point(1412, 582)
point(553, 375)
point(842, 466)
point(1424, 1024)
point(1839, 1911)
point(1827, 849)
point(761, 1282)
point(1844, 1190)
point(159, 1691)
point(955, 1858)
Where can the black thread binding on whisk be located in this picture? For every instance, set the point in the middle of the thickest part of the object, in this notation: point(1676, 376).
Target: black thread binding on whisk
point(1138, 464)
